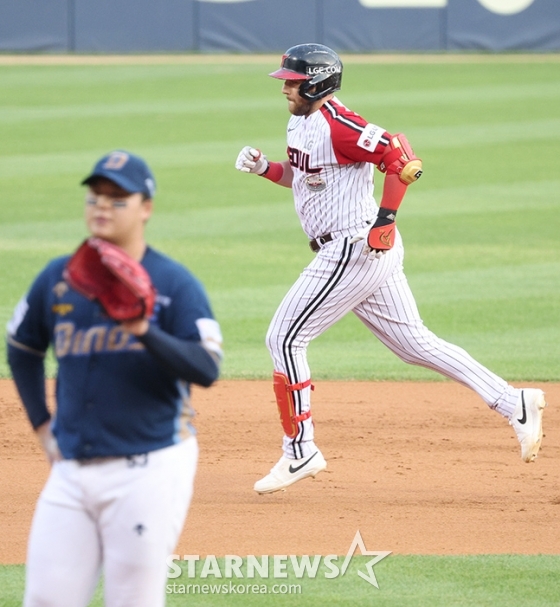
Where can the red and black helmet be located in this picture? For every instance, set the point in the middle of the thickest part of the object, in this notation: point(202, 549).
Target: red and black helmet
point(317, 66)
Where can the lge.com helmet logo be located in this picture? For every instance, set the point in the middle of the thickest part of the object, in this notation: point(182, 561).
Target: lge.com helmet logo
point(323, 69)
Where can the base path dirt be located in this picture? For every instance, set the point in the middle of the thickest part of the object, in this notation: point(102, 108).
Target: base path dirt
point(417, 468)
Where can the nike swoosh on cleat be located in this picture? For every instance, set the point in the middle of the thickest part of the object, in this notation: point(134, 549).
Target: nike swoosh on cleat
point(293, 470)
point(523, 419)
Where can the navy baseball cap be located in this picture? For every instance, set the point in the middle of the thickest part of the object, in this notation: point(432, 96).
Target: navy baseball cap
point(128, 171)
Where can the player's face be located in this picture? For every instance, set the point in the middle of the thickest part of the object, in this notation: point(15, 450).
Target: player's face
point(115, 214)
point(297, 105)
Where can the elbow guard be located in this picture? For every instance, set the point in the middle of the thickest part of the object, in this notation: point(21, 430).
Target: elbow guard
point(399, 159)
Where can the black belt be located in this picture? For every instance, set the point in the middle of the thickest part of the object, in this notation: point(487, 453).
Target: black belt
point(96, 460)
point(317, 243)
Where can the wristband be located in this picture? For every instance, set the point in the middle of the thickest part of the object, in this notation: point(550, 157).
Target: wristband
point(384, 213)
point(274, 171)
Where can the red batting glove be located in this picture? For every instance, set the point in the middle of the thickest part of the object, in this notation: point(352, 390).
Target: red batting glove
point(381, 237)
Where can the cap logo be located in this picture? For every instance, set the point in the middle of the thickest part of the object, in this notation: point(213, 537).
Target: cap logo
point(116, 161)
point(150, 186)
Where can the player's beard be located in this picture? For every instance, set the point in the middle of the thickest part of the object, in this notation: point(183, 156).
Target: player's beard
point(300, 108)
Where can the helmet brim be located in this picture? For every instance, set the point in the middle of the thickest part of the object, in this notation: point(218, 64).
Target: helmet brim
point(284, 74)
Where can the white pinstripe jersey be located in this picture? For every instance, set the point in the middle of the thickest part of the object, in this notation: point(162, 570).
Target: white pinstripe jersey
point(332, 153)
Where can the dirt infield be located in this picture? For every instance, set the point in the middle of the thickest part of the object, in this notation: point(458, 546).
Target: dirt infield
point(418, 468)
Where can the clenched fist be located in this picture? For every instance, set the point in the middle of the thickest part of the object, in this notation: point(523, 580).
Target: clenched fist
point(251, 160)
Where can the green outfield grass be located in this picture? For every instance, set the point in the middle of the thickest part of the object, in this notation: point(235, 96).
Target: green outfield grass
point(404, 581)
point(480, 227)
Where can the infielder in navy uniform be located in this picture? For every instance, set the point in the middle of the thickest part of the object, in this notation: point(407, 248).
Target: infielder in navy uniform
point(121, 444)
point(358, 268)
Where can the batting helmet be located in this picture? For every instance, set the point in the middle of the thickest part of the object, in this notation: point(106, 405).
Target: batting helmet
point(317, 66)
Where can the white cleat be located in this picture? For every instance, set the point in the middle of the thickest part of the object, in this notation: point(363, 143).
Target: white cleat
point(288, 471)
point(527, 422)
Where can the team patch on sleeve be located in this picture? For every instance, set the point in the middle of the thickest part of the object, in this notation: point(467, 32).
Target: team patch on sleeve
point(370, 137)
point(18, 316)
point(210, 335)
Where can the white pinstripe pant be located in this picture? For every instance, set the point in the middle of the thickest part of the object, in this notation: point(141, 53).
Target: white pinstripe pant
point(341, 279)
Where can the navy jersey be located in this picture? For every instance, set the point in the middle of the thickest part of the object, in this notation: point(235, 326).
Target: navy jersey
point(113, 397)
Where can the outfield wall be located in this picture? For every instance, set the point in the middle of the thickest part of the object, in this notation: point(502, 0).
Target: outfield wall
point(128, 26)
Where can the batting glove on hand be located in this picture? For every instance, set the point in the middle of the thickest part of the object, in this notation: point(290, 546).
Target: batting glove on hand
point(380, 237)
point(251, 160)
point(367, 250)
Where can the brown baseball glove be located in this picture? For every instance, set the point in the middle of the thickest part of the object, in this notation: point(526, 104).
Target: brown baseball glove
point(103, 271)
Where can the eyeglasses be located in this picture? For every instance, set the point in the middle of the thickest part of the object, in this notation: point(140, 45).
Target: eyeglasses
point(116, 203)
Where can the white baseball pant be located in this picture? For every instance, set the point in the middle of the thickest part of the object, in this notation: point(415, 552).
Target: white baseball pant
point(122, 516)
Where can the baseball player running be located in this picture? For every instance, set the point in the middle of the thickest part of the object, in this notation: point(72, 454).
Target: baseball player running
point(332, 152)
point(122, 447)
